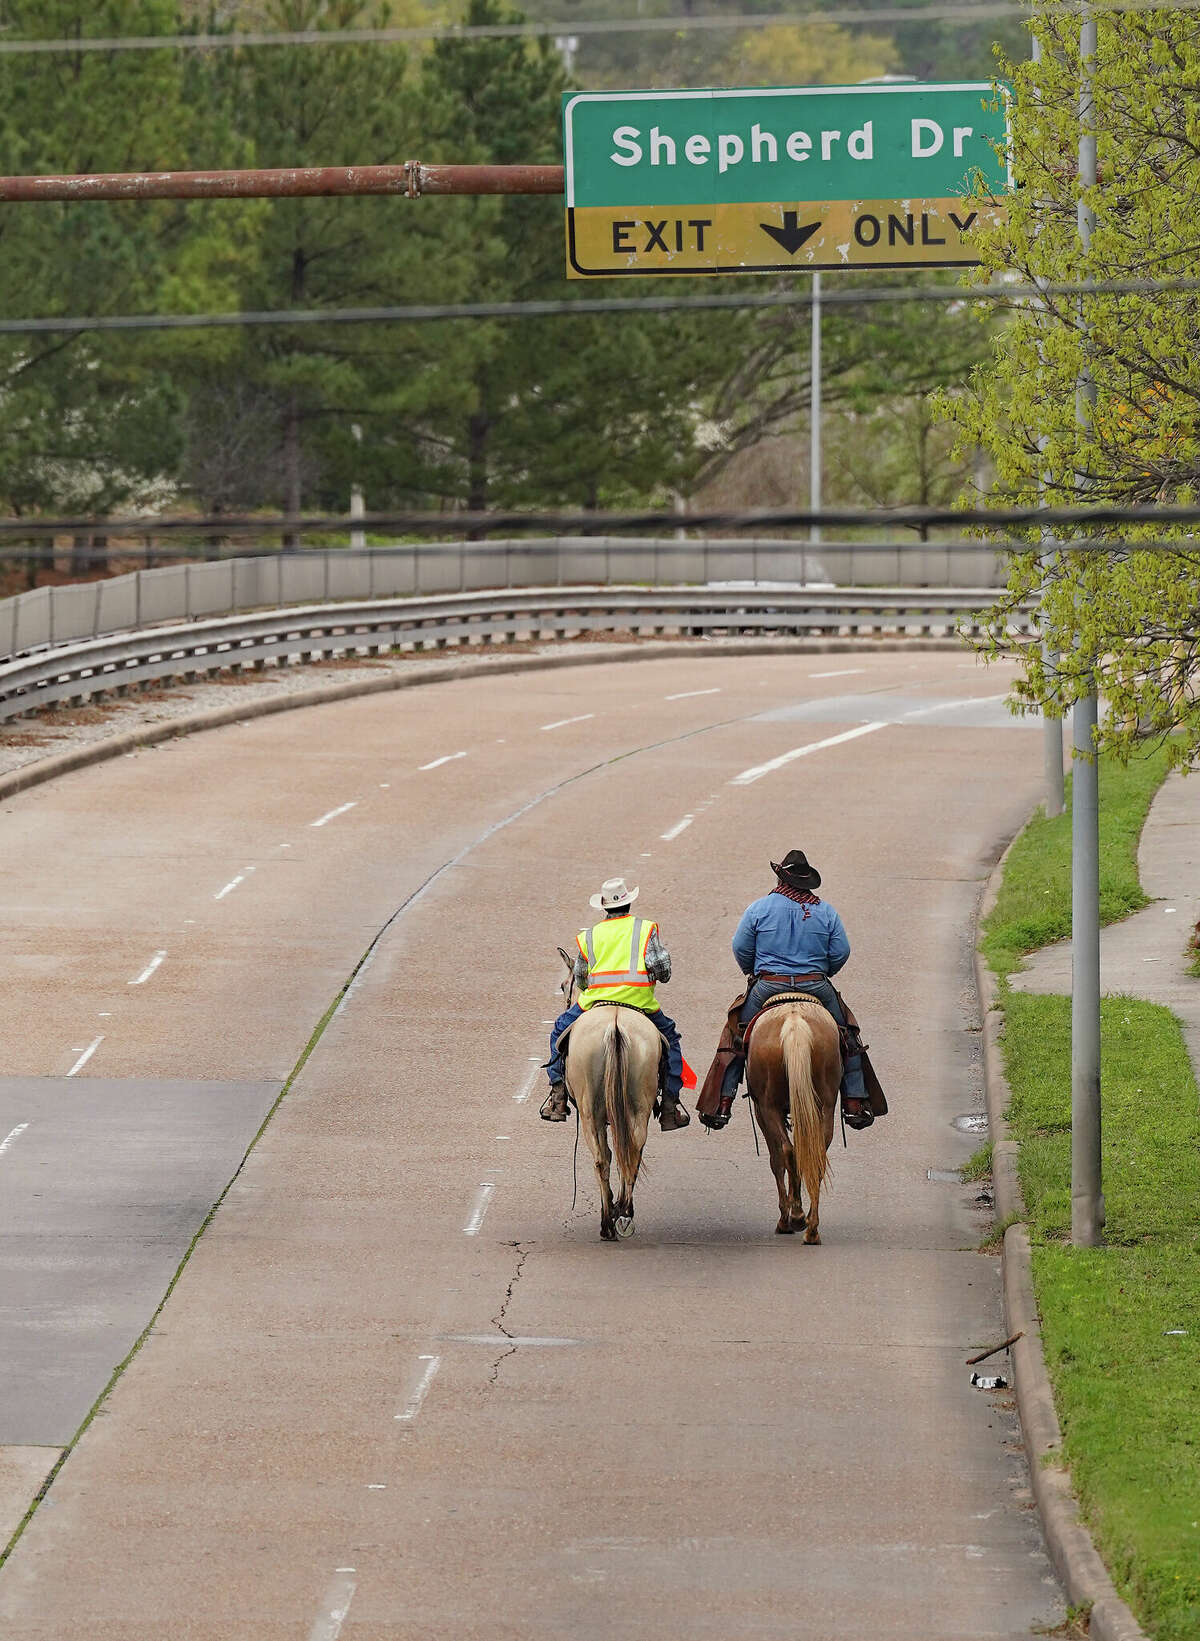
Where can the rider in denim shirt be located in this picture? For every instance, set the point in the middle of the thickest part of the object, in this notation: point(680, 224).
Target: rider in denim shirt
point(790, 940)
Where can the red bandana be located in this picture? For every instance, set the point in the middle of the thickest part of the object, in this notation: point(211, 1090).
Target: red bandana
point(802, 897)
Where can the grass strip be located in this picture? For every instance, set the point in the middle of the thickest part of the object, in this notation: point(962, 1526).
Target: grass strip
point(1127, 1386)
point(1034, 904)
point(1126, 1382)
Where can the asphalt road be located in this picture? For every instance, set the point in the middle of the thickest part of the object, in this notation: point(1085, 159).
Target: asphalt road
point(401, 1389)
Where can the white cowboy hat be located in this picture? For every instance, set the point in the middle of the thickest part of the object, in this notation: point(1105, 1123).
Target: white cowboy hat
point(612, 894)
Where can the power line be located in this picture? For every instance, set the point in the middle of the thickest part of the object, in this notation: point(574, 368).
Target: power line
point(599, 523)
point(422, 313)
point(954, 11)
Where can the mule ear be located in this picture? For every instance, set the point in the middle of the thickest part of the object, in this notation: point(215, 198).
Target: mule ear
point(567, 959)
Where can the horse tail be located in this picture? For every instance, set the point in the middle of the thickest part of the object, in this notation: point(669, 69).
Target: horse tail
point(808, 1137)
point(616, 1097)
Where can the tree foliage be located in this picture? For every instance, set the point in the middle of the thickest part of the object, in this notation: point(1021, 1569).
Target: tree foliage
point(1130, 621)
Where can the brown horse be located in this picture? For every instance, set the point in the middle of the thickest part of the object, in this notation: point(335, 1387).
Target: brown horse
point(612, 1075)
point(794, 1070)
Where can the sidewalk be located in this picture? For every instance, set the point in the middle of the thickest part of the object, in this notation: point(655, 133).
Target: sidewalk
point(1144, 956)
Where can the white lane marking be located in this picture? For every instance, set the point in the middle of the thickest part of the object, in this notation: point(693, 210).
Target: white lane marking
point(482, 1197)
point(105, 1014)
point(15, 1135)
point(334, 1608)
point(527, 1086)
point(86, 1055)
point(511, 1338)
point(504, 1136)
point(233, 883)
point(384, 786)
point(844, 672)
point(687, 694)
point(332, 815)
point(681, 826)
point(748, 776)
point(951, 706)
point(438, 762)
point(153, 964)
point(559, 722)
point(412, 1407)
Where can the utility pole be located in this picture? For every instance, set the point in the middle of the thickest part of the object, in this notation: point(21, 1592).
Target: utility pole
point(1052, 727)
point(814, 399)
point(1087, 1200)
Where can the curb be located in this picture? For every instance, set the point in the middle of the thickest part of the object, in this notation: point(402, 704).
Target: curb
point(115, 746)
point(1076, 1560)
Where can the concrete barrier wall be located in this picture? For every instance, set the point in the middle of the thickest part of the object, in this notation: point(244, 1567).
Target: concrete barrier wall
point(182, 592)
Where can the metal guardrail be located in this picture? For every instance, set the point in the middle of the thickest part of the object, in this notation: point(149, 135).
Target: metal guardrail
point(233, 586)
point(74, 673)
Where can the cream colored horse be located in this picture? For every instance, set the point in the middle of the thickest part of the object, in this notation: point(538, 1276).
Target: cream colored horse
point(612, 1075)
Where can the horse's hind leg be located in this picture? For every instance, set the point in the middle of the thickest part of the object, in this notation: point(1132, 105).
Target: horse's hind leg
point(602, 1155)
point(796, 1203)
point(773, 1131)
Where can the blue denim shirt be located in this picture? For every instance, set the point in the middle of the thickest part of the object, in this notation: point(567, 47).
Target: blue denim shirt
point(775, 937)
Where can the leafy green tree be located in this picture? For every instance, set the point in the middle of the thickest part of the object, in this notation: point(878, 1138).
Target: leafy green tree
point(1129, 621)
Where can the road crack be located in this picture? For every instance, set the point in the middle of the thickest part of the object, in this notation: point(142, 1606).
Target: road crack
point(498, 1321)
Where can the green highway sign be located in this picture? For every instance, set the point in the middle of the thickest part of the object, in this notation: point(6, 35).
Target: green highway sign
point(753, 181)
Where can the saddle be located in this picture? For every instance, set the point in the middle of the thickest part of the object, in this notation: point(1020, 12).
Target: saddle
point(735, 1040)
point(560, 1041)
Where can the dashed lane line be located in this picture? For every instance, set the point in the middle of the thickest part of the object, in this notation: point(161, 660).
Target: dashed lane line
point(14, 1135)
point(333, 814)
point(687, 694)
point(438, 762)
point(559, 723)
point(842, 672)
point(482, 1197)
point(408, 1413)
point(334, 1607)
point(680, 826)
point(155, 963)
point(756, 773)
point(233, 883)
point(86, 1055)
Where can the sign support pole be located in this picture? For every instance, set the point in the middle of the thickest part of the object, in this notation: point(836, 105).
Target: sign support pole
point(1087, 1200)
point(814, 447)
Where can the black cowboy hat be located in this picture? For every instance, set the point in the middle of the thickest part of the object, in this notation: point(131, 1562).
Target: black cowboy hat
point(795, 871)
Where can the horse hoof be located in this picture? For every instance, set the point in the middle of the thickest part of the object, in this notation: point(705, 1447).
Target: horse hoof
point(607, 1234)
point(625, 1226)
point(799, 1222)
point(784, 1230)
point(812, 1238)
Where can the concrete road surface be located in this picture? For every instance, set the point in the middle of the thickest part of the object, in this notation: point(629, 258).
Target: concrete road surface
point(401, 1390)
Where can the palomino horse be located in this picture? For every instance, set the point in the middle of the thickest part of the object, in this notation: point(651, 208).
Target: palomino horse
point(794, 1069)
point(612, 1075)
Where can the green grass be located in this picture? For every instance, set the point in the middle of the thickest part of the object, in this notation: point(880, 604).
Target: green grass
point(1034, 904)
point(1126, 1388)
point(978, 1165)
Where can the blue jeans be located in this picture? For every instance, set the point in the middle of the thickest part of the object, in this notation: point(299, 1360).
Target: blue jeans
point(853, 1086)
point(557, 1071)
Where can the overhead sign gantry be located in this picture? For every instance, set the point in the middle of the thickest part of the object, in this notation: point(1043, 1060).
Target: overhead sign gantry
point(781, 178)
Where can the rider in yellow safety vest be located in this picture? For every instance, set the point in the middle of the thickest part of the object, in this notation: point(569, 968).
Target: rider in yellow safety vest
point(618, 962)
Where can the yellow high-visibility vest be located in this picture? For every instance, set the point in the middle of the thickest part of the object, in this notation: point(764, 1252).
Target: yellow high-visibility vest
point(616, 958)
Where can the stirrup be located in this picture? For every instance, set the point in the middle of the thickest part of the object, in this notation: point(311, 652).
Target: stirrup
point(674, 1115)
point(716, 1120)
point(858, 1119)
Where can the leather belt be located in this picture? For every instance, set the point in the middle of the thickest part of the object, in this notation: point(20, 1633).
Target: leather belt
point(790, 979)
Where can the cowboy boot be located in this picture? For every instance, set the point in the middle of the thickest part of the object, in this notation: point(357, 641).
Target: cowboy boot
point(719, 1118)
point(554, 1106)
point(674, 1114)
